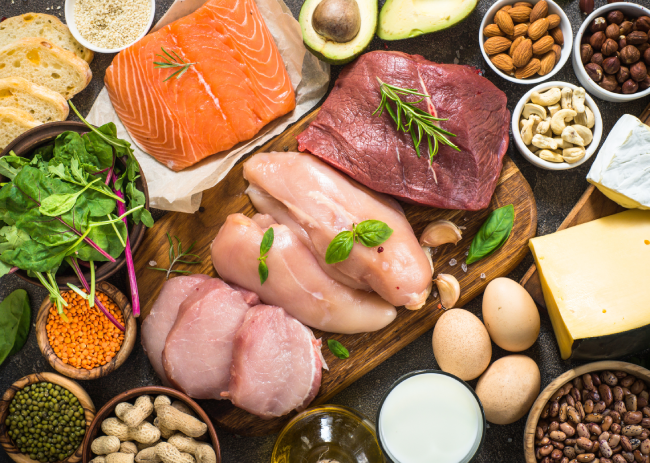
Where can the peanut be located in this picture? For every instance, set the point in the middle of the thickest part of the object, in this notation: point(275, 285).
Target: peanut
point(133, 415)
point(128, 447)
point(202, 452)
point(170, 454)
point(147, 455)
point(145, 432)
point(105, 445)
point(120, 458)
point(171, 418)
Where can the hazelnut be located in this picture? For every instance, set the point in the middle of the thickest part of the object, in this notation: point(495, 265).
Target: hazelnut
point(626, 27)
point(630, 86)
point(594, 71)
point(597, 59)
point(613, 31)
point(599, 24)
point(645, 83)
point(638, 71)
point(646, 57)
point(636, 37)
point(615, 16)
point(622, 75)
point(597, 40)
point(608, 83)
point(609, 47)
point(643, 47)
point(622, 43)
point(643, 24)
point(586, 52)
point(611, 65)
point(630, 54)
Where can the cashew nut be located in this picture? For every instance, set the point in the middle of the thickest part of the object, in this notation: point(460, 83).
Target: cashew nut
point(544, 126)
point(567, 94)
point(145, 432)
point(587, 118)
point(527, 131)
point(562, 144)
point(441, 232)
point(553, 109)
point(120, 458)
point(105, 445)
point(548, 98)
point(174, 419)
point(543, 142)
point(147, 455)
point(133, 415)
point(584, 133)
point(572, 155)
point(203, 453)
point(170, 454)
point(530, 108)
point(551, 156)
point(570, 135)
point(578, 100)
point(128, 447)
point(559, 120)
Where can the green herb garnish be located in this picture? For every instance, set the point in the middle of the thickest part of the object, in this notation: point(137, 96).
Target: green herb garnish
point(169, 61)
point(370, 233)
point(492, 234)
point(265, 247)
point(411, 119)
point(178, 256)
point(338, 349)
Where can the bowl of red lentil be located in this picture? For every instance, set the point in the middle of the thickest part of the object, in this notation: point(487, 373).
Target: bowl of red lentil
point(84, 344)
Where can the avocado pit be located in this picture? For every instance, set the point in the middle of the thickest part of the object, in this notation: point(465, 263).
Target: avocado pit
point(337, 20)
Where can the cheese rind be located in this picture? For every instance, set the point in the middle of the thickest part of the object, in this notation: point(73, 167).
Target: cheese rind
point(596, 283)
point(622, 168)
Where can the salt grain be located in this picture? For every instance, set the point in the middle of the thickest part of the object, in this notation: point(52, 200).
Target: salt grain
point(112, 23)
point(464, 267)
point(435, 294)
point(467, 253)
point(153, 263)
point(482, 276)
point(452, 262)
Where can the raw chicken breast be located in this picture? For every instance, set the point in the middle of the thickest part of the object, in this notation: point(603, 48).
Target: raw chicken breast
point(160, 320)
point(296, 281)
point(198, 350)
point(276, 365)
point(323, 202)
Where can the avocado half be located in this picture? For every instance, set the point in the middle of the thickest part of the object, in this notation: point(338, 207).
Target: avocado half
point(334, 52)
point(402, 19)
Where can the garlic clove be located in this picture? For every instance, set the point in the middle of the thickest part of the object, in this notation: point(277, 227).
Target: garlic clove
point(449, 290)
point(440, 232)
point(427, 252)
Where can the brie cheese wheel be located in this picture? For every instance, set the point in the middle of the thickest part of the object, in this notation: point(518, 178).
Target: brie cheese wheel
point(621, 170)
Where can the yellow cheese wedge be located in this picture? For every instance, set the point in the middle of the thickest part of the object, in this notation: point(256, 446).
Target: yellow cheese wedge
point(596, 283)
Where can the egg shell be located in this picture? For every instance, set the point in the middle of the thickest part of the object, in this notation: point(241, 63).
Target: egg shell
point(508, 388)
point(461, 344)
point(510, 315)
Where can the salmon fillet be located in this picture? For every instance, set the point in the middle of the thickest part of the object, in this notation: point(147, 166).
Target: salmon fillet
point(237, 85)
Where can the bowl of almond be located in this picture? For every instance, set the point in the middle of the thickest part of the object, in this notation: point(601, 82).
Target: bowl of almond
point(526, 42)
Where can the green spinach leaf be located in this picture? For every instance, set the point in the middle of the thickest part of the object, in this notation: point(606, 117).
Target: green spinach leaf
point(15, 317)
point(137, 198)
point(11, 237)
point(493, 233)
point(11, 165)
point(60, 203)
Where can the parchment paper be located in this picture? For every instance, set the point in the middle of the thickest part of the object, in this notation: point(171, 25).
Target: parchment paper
point(182, 191)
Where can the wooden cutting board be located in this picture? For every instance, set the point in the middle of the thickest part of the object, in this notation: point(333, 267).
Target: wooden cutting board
point(366, 350)
point(592, 205)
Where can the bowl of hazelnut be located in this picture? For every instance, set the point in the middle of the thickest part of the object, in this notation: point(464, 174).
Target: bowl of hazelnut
point(611, 56)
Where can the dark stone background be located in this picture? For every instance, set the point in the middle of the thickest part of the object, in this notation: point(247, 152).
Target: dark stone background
point(555, 192)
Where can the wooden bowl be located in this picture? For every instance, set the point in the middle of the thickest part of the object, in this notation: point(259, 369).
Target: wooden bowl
point(24, 145)
point(80, 373)
point(75, 388)
point(538, 406)
point(107, 411)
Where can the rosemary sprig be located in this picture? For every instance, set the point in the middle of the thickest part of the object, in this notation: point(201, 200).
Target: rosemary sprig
point(169, 61)
point(177, 256)
point(411, 119)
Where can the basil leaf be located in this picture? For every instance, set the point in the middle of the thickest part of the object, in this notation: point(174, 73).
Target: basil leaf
point(338, 349)
point(263, 270)
point(340, 247)
point(15, 317)
point(492, 234)
point(267, 242)
point(372, 233)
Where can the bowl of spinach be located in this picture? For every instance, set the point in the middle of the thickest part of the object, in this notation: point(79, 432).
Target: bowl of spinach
point(74, 207)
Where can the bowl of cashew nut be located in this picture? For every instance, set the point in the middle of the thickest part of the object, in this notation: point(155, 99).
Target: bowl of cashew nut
point(152, 424)
point(557, 126)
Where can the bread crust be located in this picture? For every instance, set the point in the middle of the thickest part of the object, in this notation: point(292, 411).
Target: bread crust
point(58, 104)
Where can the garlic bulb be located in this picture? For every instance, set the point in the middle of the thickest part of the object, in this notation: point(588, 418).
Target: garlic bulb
point(440, 232)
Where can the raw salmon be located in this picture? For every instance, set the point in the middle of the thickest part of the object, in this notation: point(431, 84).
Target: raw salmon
point(237, 84)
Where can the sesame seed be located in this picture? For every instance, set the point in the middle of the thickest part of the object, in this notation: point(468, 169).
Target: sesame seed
point(112, 23)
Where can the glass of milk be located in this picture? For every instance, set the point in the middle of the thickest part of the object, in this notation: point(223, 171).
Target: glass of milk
point(430, 416)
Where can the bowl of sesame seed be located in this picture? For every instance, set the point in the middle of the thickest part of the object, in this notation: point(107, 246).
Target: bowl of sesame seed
point(109, 26)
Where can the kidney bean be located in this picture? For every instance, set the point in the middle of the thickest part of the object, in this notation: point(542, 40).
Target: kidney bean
point(554, 426)
point(544, 441)
point(558, 395)
point(629, 457)
point(627, 381)
point(637, 386)
point(645, 447)
point(545, 411)
point(632, 418)
point(645, 422)
point(600, 407)
point(605, 460)
point(618, 459)
point(569, 452)
point(617, 449)
point(603, 436)
point(582, 430)
point(638, 457)
point(573, 413)
point(617, 393)
point(546, 450)
point(570, 400)
point(607, 422)
point(581, 410)
point(626, 391)
point(557, 445)
point(620, 374)
point(585, 443)
point(588, 381)
point(570, 441)
point(635, 443)
point(596, 445)
point(646, 411)
point(556, 454)
point(563, 412)
point(543, 424)
point(588, 406)
point(616, 416)
point(631, 430)
point(644, 435)
point(594, 418)
point(609, 378)
point(586, 458)
point(605, 449)
point(615, 428)
point(606, 394)
point(557, 435)
point(577, 383)
point(631, 402)
point(641, 401)
point(614, 440)
point(575, 393)
point(564, 460)
point(620, 407)
point(567, 429)
point(626, 444)
point(585, 395)
point(594, 429)
point(594, 396)
point(555, 409)
point(644, 394)
point(546, 460)
point(539, 433)
point(595, 378)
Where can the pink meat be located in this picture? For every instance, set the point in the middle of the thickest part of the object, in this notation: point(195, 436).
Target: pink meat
point(160, 320)
point(276, 365)
point(199, 347)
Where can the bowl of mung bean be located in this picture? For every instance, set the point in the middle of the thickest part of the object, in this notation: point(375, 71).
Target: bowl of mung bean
point(82, 343)
point(44, 418)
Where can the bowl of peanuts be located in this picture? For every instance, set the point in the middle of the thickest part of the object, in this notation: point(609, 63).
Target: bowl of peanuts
point(599, 412)
point(151, 423)
point(87, 345)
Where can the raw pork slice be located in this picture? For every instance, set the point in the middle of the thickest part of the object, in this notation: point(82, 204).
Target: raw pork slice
point(160, 320)
point(370, 149)
point(317, 203)
point(237, 84)
point(296, 281)
point(276, 365)
point(198, 350)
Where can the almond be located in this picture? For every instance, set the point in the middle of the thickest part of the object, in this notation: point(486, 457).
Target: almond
point(557, 35)
point(538, 29)
point(520, 14)
point(526, 4)
point(523, 53)
point(529, 70)
point(503, 62)
point(506, 8)
point(492, 30)
point(520, 29)
point(547, 63)
point(553, 21)
point(540, 10)
point(495, 45)
point(515, 44)
point(543, 45)
point(558, 53)
point(504, 21)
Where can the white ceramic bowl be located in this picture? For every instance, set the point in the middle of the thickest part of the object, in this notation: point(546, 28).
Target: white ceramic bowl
point(565, 25)
point(70, 20)
point(629, 9)
point(597, 129)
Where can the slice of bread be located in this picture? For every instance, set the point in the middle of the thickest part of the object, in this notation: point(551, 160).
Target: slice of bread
point(42, 25)
point(43, 63)
point(43, 104)
point(14, 122)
